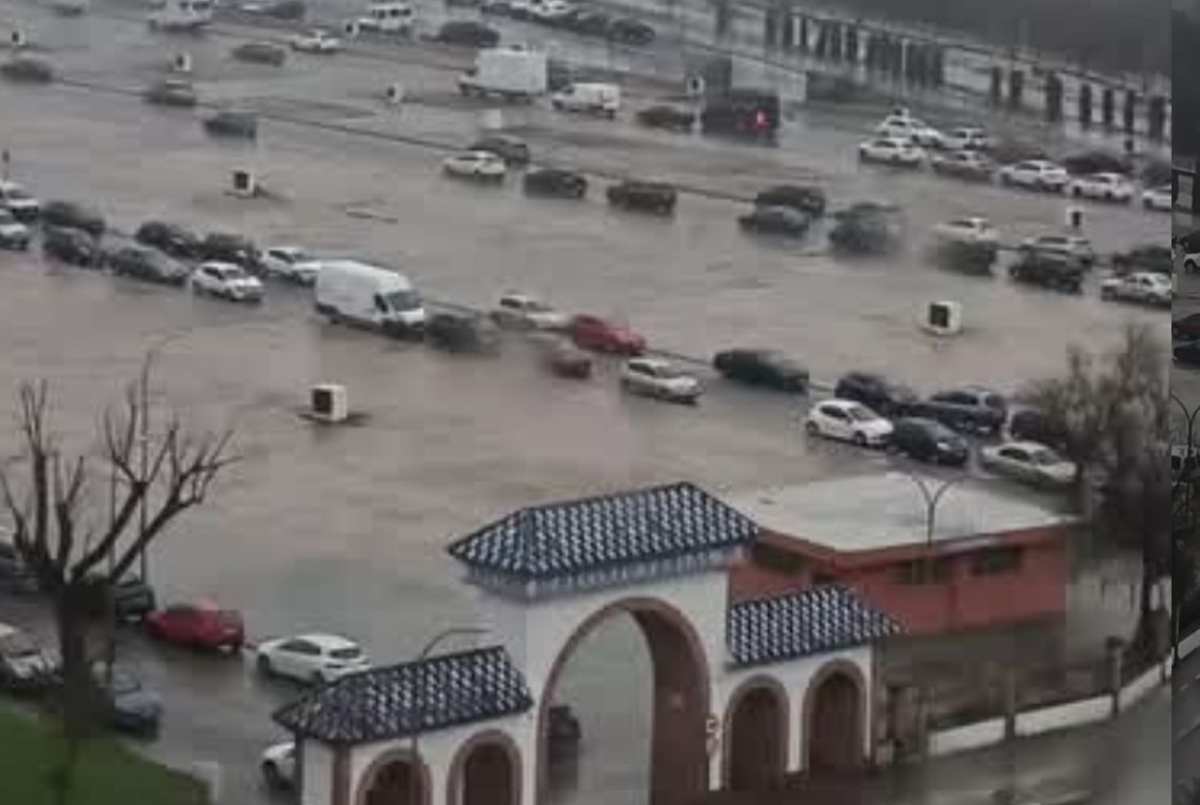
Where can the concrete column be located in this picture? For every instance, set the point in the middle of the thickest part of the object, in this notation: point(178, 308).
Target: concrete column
point(1108, 103)
point(997, 93)
point(852, 45)
point(1016, 88)
point(902, 66)
point(803, 35)
point(1157, 117)
point(1054, 96)
point(1131, 102)
point(1085, 105)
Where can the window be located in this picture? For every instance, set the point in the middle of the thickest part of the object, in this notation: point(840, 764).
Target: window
point(1015, 454)
point(834, 413)
point(300, 647)
point(923, 571)
point(995, 561)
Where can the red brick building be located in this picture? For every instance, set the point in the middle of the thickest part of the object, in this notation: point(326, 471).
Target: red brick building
point(996, 558)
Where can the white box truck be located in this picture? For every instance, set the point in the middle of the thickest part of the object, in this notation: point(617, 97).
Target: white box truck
point(368, 296)
point(387, 18)
point(514, 73)
point(592, 98)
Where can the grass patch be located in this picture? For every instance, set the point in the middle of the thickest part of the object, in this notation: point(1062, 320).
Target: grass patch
point(107, 773)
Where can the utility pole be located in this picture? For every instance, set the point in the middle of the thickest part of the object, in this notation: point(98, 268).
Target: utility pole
point(932, 497)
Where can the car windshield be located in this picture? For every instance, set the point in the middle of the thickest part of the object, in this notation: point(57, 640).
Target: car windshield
point(1044, 457)
point(18, 645)
point(233, 274)
point(403, 300)
point(860, 414)
point(349, 653)
point(17, 194)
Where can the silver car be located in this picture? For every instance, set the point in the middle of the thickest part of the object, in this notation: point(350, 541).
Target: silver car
point(1029, 462)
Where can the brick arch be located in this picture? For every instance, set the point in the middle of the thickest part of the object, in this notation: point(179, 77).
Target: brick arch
point(386, 758)
point(758, 683)
point(678, 755)
point(456, 775)
point(826, 673)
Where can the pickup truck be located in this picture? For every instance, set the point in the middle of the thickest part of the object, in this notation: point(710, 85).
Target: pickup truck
point(970, 408)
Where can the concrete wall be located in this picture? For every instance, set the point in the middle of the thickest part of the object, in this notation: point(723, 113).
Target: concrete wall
point(317, 774)
point(970, 736)
point(1139, 688)
point(1064, 716)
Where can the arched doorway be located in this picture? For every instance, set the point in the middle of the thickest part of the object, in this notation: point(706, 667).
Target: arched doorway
point(679, 699)
point(486, 770)
point(835, 712)
point(392, 779)
point(756, 737)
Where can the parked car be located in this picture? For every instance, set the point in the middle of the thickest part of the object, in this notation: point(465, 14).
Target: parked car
point(1186, 352)
point(510, 149)
point(316, 658)
point(930, 441)
point(13, 234)
point(19, 201)
point(892, 151)
point(598, 335)
point(662, 116)
point(762, 367)
point(129, 707)
point(555, 182)
point(316, 40)
point(199, 625)
point(971, 165)
point(1158, 198)
point(876, 392)
point(227, 281)
point(866, 229)
point(807, 199)
point(902, 127)
point(1068, 246)
point(550, 12)
point(1031, 425)
point(848, 421)
point(457, 332)
point(1095, 161)
point(225, 247)
point(1151, 257)
point(133, 599)
point(480, 165)
point(966, 138)
point(278, 765)
point(1102, 186)
point(1028, 462)
point(518, 311)
point(567, 360)
point(775, 220)
point(72, 246)
point(172, 92)
point(1141, 286)
point(280, 10)
point(290, 263)
point(468, 33)
point(1035, 174)
point(1187, 247)
point(591, 97)
point(587, 22)
point(27, 69)
point(970, 408)
point(15, 575)
point(260, 53)
point(25, 667)
point(654, 377)
point(233, 123)
point(629, 31)
point(146, 264)
point(171, 239)
point(73, 216)
point(971, 229)
point(1186, 328)
point(1049, 269)
point(631, 194)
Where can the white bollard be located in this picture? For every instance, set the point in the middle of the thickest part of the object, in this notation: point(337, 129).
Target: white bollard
point(209, 773)
point(18, 39)
point(182, 63)
point(395, 94)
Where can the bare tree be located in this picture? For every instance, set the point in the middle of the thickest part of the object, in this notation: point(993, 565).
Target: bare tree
point(78, 557)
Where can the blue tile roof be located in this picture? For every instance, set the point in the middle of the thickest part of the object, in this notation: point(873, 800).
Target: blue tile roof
point(820, 619)
point(590, 534)
point(383, 703)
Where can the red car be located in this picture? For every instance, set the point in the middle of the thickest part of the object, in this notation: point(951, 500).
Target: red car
point(199, 625)
point(592, 332)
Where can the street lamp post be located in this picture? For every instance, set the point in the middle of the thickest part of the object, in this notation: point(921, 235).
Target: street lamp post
point(445, 634)
point(932, 498)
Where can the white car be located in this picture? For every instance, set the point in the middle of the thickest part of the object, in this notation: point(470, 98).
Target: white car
point(549, 11)
point(278, 764)
point(658, 378)
point(316, 41)
point(483, 165)
point(972, 229)
point(13, 233)
point(228, 281)
point(1029, 462)
point(291, 263)
point(892, 150)
point(1102, 186)
point(316, 658)
point(904, 127)
point(525, 312)
point(1035, 174)
point(1158, 198)
point(1143, 286)
point(1075, 247)
point(848, 421)
point(19, 202)
point(967, 138)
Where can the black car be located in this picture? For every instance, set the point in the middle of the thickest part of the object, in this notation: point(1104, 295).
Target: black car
point(555, 182)
point(261, 53)
point(971, 409)
point(1048, 269)
point(629, 31)
point(510, 149)
point(146, 264)
point(866, 229)
point(806, 199)
point(656, 197)
point(1148, 257)
point(229, 248)
point(73, 216)
point(876, 392)
point(462, 333)
point(169, 238)
point(469, 33)
point(662, 116)
point(172, 92)
point(72, 246)
point(929, 440)
point(28, 70)
point(775, 220)
point(1187, 352)
point(1089, 162)
point(233, 124)
point(1186, 328)
point(742, 112)
point(586, 22)
point(1031, 425)
point(762, 367)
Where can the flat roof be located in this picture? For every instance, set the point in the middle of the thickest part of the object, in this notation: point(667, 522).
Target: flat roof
point(876, 512)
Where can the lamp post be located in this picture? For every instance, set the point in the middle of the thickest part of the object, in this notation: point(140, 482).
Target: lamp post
point(445, 634)
point(932, 497)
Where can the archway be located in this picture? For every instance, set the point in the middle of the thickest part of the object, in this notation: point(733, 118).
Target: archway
point(834, 717)
point(680, 698)
point(392, 779)
point(486, 770)
point(756, 739)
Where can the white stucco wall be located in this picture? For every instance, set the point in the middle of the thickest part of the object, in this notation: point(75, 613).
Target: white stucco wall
point(969, 736)
point(1136, 690)
point(317, 773)
point(1064, 716)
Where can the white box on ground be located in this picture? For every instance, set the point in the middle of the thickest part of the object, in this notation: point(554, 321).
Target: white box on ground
point(330, 402)
point(513, 73)
point(943, 318)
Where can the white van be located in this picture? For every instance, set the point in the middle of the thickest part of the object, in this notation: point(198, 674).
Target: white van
point(388, 17)
point(600, 99)
point(180, 15)
point(366, 295)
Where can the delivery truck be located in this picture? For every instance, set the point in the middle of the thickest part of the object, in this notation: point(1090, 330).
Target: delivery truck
point(514, 73)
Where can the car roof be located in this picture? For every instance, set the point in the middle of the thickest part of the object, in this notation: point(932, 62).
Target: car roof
point(654, 363)
point(1024, 445)
point(324, 640)
point(842, 404)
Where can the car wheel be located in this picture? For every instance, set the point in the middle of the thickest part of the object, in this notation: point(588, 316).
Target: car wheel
point(272, 775)
point(811, 428)
point(1105, 293)
point(860, 439)
point(264, 665)
point(1077, 192)
point(1006, 180)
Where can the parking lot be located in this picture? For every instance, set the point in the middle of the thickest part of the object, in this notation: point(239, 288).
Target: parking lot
point(343, 529)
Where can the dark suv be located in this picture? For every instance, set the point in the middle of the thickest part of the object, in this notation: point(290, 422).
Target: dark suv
point(1048, 269)
point(71, 246)
point(174, 240)
point(806, 199)
point(971, 408)
point(146, 264)
point(227, 248)
point(762, 367)
point(876, 392)
point(929, 440)
point(555, 182)
point(648, 196)
point(73, 216)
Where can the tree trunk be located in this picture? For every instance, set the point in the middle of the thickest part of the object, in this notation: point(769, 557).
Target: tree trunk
point(77, 704)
